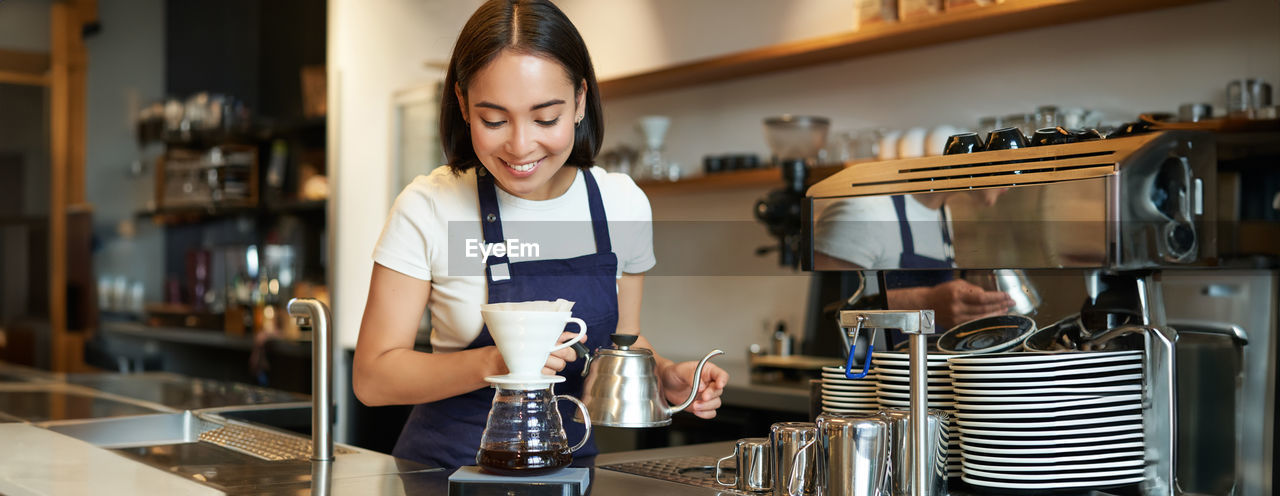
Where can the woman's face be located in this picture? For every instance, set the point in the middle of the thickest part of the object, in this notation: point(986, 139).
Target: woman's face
point(521, 110)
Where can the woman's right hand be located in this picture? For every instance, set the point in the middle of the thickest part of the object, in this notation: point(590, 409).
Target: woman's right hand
point(560, 358)
point(957, 301)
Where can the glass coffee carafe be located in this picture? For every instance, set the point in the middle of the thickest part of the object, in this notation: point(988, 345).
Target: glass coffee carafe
point(524, 435)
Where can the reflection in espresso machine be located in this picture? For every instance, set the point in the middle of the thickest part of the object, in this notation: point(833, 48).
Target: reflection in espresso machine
point(1122, 204)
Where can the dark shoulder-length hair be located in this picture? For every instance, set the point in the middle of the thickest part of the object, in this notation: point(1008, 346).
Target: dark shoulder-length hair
point(535, 27)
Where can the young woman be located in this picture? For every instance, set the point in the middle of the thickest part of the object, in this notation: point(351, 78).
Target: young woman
point(521, 124)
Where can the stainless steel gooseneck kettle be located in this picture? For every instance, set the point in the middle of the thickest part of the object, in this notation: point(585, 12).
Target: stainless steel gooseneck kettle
point(622, 388)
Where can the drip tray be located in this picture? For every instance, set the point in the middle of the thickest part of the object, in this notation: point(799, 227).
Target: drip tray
point(698, 471)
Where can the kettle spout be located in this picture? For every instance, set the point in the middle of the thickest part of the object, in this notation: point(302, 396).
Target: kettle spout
point(697, 377)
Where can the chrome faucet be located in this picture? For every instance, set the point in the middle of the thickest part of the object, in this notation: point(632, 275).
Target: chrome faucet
point(313, 315)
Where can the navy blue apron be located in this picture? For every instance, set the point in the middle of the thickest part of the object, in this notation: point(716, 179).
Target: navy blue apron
point(447, 432)
point(911, 260)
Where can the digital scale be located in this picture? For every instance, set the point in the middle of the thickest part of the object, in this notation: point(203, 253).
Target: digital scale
point(472, 481)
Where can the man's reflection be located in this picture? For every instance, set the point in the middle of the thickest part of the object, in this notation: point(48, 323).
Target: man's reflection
point(905, 232)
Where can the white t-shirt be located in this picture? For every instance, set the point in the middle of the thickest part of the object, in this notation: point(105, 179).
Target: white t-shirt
point(864, 231)
point(433, 233)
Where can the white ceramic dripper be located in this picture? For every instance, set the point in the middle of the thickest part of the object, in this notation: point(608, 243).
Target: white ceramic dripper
point(653, 165)
point(525, 333)
point(654, 128)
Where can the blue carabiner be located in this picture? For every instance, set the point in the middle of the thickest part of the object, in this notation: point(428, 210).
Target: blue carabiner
point(866, 363)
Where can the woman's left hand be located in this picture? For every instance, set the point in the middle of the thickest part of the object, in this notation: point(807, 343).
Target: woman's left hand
point(677, 380)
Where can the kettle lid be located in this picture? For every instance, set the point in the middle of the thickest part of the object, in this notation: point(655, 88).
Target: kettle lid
point(622, 346)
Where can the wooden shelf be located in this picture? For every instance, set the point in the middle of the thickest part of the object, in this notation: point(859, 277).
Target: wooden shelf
point(194, 214)
point(730, 181)
point(24, 79)
point(24, 68)
point(1007, 17)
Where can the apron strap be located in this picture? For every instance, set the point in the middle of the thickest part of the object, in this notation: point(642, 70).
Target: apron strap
point(946, 236)
point(497, 268)
point(599, 223)
point(904, 227)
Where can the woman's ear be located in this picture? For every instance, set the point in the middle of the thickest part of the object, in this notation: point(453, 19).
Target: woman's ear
point(462, 102)
point(582, 97)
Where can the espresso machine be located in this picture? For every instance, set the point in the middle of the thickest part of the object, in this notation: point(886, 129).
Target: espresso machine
point(1123, 212)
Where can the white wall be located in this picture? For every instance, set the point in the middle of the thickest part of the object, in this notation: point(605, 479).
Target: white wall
point(1122, 65)
point(375, 49)
point(629, 36)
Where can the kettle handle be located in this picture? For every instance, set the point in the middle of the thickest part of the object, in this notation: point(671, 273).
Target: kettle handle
point(586, 420)
point(582, 352)
point(697, 378)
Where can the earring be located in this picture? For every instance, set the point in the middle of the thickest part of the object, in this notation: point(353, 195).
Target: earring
point(578, 121)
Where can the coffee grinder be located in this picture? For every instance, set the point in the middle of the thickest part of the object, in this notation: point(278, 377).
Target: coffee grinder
point(795, 141)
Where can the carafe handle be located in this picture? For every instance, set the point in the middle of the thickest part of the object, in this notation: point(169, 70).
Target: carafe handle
point(718, 462)
point(582, 332)
point(586, 419)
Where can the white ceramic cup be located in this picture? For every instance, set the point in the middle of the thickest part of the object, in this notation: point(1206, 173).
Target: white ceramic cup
point(889, 145)
point(526, 338)
point(911, 144)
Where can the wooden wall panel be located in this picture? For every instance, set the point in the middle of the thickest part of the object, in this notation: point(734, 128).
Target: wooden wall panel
point(59, 138)
point(67, 113)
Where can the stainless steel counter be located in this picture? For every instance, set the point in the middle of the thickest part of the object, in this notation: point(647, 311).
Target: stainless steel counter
point(181, 392)
point(158, 447)
point(605, 481)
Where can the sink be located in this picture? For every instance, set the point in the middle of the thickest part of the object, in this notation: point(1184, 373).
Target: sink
point(225, 454)
point(189, 427)
point(138, 430)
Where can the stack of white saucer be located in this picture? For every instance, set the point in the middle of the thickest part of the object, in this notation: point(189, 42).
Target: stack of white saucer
point(1050, 421)
point(843, 395)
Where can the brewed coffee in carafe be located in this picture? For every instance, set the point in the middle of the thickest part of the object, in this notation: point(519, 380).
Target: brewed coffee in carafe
point(524, 435)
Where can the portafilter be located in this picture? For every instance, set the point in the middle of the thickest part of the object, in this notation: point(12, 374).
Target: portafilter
point(622, 387)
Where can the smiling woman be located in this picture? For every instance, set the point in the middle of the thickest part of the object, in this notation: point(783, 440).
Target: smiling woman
point(521, 124)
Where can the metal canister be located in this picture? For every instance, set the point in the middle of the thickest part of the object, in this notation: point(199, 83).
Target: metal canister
point(854, 455)
point(902, 457)
point(793, 475)
point(1248, 97)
